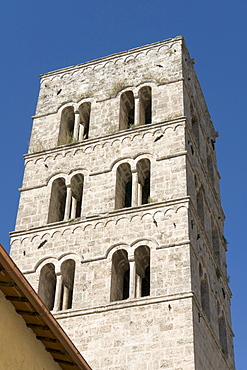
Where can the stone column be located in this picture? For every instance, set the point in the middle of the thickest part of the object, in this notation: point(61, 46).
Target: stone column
point(132, 282)
point(81, 131)
point(65, 304)
point(139, 194)
point(76, 126)
point(58, 292)
point(137, 111)
point(68, 203)
point(138, 286)
point(134, 200)
point(73, 208)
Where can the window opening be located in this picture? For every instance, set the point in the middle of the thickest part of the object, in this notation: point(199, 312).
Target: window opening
point(127, 110)
point(57, 201)
point(142, 261)
point(216, 244)
point(128, 194)
point(126, 283)
point(146, 283)
point(205, 297)
point(200, 205)
point(143, 169)
point(223, 334)
point(145, 101)
point(123, 186)
point(210, 167)
point(77, 192)
point(68, 273)
point(85, 111)
point(120, 276)
point(47, 285)
point(195, 124)
point(66, 126)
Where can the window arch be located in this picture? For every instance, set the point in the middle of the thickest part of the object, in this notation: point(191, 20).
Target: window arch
point(210, 167)
point(204, 290)
point(56, 288)
point(200, 204)
point(127, 110)
point(47, 285)
point(142, 262)
point(216, 244)
point(120, 276)
point(57, 201)
point(84, 111)
point(66, 200)
point(145, 103)
point(143, 170)
point(123, 186)
point(194, 124)
point(133, 187)
point(66, 126)
point(223, 333)
point(76, 194)
point(130, 277)
point(68, 273)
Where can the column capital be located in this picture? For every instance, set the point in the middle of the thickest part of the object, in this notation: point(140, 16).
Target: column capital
point(131, 257)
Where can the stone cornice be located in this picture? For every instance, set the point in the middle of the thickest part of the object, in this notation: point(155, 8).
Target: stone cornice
point(101, 216)
point(107, 137)
point(118, 305)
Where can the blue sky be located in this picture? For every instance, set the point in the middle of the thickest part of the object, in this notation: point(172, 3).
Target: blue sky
point(40, 36)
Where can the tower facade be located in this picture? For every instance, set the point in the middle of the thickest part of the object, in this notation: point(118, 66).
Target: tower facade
point(120, 224)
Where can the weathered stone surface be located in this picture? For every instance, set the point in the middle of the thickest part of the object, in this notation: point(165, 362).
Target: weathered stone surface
point(76, 253)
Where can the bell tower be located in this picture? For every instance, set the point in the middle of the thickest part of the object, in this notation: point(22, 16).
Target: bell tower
point(120, 224)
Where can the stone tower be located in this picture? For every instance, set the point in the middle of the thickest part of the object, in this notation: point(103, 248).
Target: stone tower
point(120, 224)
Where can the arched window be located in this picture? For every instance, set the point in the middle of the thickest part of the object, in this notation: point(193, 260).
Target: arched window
point(204, 293)
point(76, 193)
point(142, 263)
point(68, 273)
point(145, 101)
point(223, 333)
point(84, 110)
point(47, 285)
point(120, 276)
point(200, 205)
point(216, 244)
point(195, 124)
point(123, 186)
point(66, 126)
point(137, 182)
point(57, 201)
point(127, 110)
point(210, 167)
point(130, 279)
point(143, 170)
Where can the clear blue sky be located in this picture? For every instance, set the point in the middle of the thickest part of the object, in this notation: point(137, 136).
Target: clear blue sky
point(40, 36)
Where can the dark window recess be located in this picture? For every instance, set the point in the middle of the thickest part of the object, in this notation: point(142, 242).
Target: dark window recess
point(128, 194)
point(146, 190)
point(126, 279)
point(146, 283)
point(148, 114)
point(130, 117)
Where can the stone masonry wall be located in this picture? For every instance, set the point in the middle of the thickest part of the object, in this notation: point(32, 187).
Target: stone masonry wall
point(178, 231)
